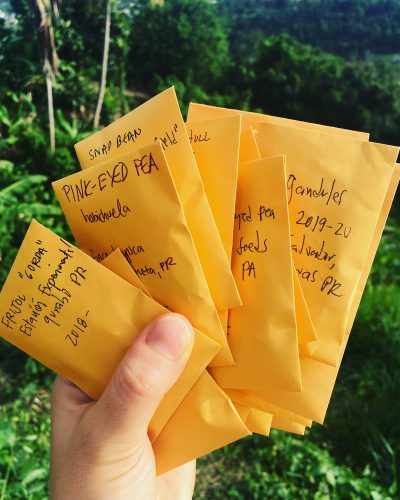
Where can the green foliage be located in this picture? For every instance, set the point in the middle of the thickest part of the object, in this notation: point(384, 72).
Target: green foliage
point(282, 466)
point(304, 83)
point(22, 198)
point(199, 55)
point(366, 396)
point(350, 28)
point(24, 431)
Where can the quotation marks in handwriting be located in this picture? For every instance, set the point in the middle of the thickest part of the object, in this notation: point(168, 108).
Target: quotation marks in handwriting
point(168, 138)
point(35, 262)
point(79, 327)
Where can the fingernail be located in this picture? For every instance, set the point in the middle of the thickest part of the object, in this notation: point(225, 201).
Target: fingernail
point(170, 336)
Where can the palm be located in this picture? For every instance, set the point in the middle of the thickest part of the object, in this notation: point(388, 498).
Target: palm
point(177, 484)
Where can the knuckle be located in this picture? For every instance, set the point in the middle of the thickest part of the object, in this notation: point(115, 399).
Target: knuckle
point(142, 381)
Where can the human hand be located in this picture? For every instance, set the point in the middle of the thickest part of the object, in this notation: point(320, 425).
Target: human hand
point(100, 450)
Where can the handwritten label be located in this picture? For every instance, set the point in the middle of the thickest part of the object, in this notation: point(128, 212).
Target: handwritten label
point(140, 213)
point(48, 295)
point(168, 138)
point(198, 137)
point(78, 318)
point(335, 191)
point(255, 241)
point(313, 232)
point(262, 333)
point(326, 190)
point(126, 137)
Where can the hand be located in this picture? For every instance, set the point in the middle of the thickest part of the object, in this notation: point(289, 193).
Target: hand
point(100, 450)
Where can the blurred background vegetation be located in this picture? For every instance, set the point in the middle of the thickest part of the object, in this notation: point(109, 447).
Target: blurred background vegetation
point(335, 62)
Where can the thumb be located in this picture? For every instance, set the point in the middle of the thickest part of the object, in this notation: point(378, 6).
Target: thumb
point(148, 370)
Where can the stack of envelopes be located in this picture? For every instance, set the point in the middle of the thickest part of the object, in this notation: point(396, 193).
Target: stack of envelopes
point(260, 230)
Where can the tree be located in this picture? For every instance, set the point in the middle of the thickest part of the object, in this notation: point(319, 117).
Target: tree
point(104, 66)
point(298, 81)
point(184, 39)
point(44, 10)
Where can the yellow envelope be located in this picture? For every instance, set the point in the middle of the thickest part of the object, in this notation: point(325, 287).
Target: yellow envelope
point(263, 335)
point(318, 378)
point(305, 328)
point(248, 146)
point(117, 263)
point(249, 119)
point(114, 205)
point(306, 335)
point(287, 425)
point(248, 400)
point(78, 318)
point(384, 213)
point(160, 119)
point(243, 411)
point(259, 422)
point(215, 144)
point(203, 349)
point(255, 420)
point(335, 187)
point(205, 421)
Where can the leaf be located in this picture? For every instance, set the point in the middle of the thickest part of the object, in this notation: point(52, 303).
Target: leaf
point(22, 185)
point(33, 475)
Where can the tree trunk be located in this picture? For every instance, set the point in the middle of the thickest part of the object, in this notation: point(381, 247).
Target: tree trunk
point(43, 11)
point(106, 50)
point(50, 106)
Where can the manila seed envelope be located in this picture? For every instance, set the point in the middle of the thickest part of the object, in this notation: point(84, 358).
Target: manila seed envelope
point(130, 203)
point(215, 144)
point(263, 336)
point(248, 146)
point(257, 421)
point(249, 119)
point(205, 396)
point(117, 263)
point(203, 349)
point(78, 318)
point(205, 421)
point(335, 187)
point(318, 378)
point(249, 150)
point(160, 119)
point(305, 329)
